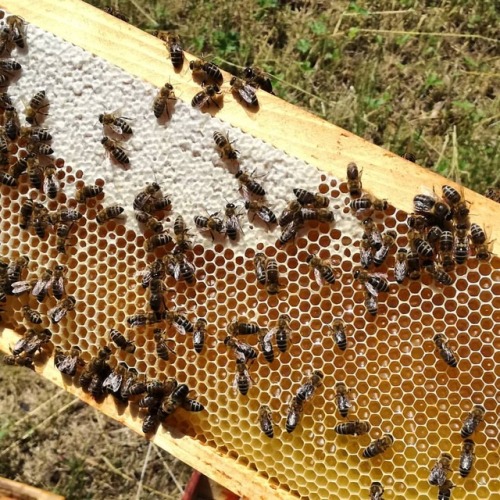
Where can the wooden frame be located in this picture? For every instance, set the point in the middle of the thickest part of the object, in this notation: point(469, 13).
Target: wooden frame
point(317, 142)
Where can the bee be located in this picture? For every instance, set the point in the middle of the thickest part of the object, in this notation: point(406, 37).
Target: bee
point(354, 180)
point(199, 334)
point(226, 150)
point(434, 235)
point(242, 379)
point(419, 245)
point(461, 247)
point(181, 323)
point(23, 360)
point(17, 30)
point(262, 211)
point(376, 491)
point(155, 270)
point(378, 446)
point(12, 124)
point(157, 300)
point(461, 213)
point(108, 213)
point(162, 349)
point(161, 101)
point(338, 333)
point(206, 71)
point(257, 78)
point(35, 134)
point(473, 419)
point(244, 92)
point(423, 203)
point(181, 232)
point(19, 168)
point(242, 348)
point(156, 204)
point(451, 195)
point(7, 67)
point(266, 421)
point(86, 192)
point(35, 107)
point(15, 269)
point(445, 351)
point(150, 221)
point(50, 184)
point(282, 332)
point(115, 149)
point(413, 266)
point(116, 13)
point(120, 340)
point(35, 171)
point(355, 428)
point(401, 265)
point(444, 492)
point(249, 184)
point(272, 277)
point(94, 374)
point(132, 386)
point(372, 234)
point(439, 274)
point(69, 362)
point(4, 281)
point(39, 149)
point(294, 414)
point(260, 260)
point(232, 223)
point(373, 283)
point(179, 398)
point(441, 469)
point(182, 269)
point(3, 142)
point(493, 193)
point(5, 100)
point(290, 231)
point(323, 270)
point(210, 94)
point(32, 342)
point(341, 398)
point(173, 43)
point(317, 200)
point(290, 213)
point(41, 221)
point(240, 328)
point(478, 239)
point(466, 457)
point(266, 346)
point(7, 179)
point(146, 319)
point(362, 204)
point(118, 124)
point(31, 315)
point(307, 390)
point(57, 313)
point(64, 215)
point(319, 214)
point(388, 240)
point(114, 381)
point(144, 196)
point(62, 233)
point(156, 241)
point(212, 223)
point(445, 246)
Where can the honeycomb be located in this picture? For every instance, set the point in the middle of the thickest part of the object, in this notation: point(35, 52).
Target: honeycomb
point(398, 382)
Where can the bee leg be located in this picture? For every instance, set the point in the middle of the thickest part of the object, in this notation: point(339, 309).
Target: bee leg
point(215, 102)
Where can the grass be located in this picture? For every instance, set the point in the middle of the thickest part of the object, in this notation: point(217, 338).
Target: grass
point(405, 75)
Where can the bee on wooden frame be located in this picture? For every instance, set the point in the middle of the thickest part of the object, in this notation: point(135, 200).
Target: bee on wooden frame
point(354, 180)
point(258, 78)
point(69, 362)
point(206, 72)
point(174, 46)
point(244, 92)
point(210, 94)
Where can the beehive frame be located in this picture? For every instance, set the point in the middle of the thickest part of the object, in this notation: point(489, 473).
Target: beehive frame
point(270, 124)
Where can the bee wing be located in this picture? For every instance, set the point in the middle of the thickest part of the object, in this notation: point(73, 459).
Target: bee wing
point(319, 278)
point(20, 287)
point(48, 181)
point(113, 382)
point(371, 289)
point(19, 346)
point(58, 284)
point(57, 314)
point(66, 364)
point(41, 286)
point(270, 334)
point(240, 356)
point(247, 93)
point(177, 271)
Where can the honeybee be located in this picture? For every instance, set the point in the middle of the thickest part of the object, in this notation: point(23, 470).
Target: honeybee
point(108, 213)
point(266, 421)
point(260, 260)
point(294, 414)
point(306, 390)
point(262, 211)
point(461, 213)
point(439, 274)
point(69, 362)
point(319, 214)
point(141, 319)
point(356, 428)
point(145, 195)
point(248, 184)
point(150, 221)
point(232, 223)
point(367, 203)
point(317, 200)
point(155, 204)
point(226, 150)
point(181, 232)
point(41, 220)
point(50, 184)
point(162, 100)
point(290, 231)
point(244, 92)
point(292, 210)
point(423, 203)
point(473, 419)
point(15, 269)
point(35, 171)
point(181, 323)
point(478, 239)
point(242, 380)
point(12, 124)
point(115, 149)
point(4, 281)
point(19, 287)
point(179, 398)
point(466, 457)
point(493, 193)
point(372, 234)
point(94, 374)
point(434, 235)
point(388, 240)
point(343, 403)
point(181, 268)
point(7, 179)
point(373, 283)
point(157, 300)
point(120, 340)
point(441, 469)
point(35, 108)
point(156, 241)
point(114, 381)
point(86, 192)
point(338, 333)
point(199, 334)
point(378, 446)
point(212, 223)
point(31, 315)
point(242, 348)
point(266, 346)
point(401, 265)
point(258, 78)
point(446, 243)
point(64, 215)
point(32, 342)
point(162, 349)
point(22, 360)
point(57, 313)
point(323, 271)
point(461, 247)
point(376, 491)
point(272, 277)
point(173, 43)
point(445, 350)
point(62, 233)
point(17, 26)
point(419, 245)
point(118, 124)
point(451, 195)
point(282, 332)
point(240, 328)
point(210, 94)
point(354, 183)
point(19, 168)
point(112, 11)
point(444, 492)
point(206, 72)
point(413, 265)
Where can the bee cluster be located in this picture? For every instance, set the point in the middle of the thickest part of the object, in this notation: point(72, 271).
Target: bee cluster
point(295, 329)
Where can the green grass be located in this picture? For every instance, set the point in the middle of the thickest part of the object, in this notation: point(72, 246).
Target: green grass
point(400, 74)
